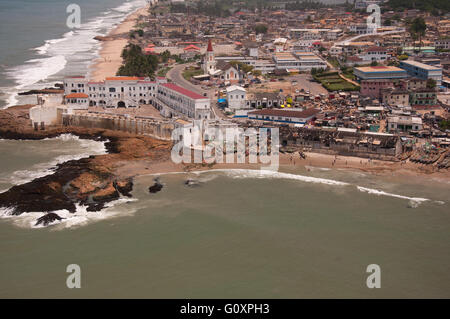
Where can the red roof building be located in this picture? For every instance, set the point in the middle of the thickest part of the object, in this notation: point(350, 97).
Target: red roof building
point(183, 91)
point(191, 48)
point(77, 96)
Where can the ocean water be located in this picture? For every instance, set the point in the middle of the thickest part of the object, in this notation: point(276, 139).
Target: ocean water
point(38, 49)
point(296, 233)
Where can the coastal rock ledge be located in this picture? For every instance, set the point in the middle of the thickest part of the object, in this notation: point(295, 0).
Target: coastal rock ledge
point(91, 182)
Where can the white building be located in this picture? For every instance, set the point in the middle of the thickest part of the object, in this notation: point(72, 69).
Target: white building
point(265, 66)
point(404, 123)
point(442, 43)
point(236, 97)
point(124, 92)
point(378, 54)
point(284, 116)
point(301, 61)
point(362, 29)
point(311, 34)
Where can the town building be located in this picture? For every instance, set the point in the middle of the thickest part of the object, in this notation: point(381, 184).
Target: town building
point(374, 54)
point(423, 97)
point(125, 92)
point(404, 123)
point(442, 44)
point(263, 100)
point(284, 116)
point(379, 72)
point(422, 71)
point(236, 97)
point(228, 72)
point(395, 97)
point(372, 88)
point(301, 61)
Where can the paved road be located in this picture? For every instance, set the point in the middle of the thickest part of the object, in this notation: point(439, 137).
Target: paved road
point(176, 76)
point(347, 41)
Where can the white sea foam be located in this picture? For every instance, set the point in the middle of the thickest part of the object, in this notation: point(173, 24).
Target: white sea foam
point(36, 70)
point(382, 193)
point(81, 216)
point(87, 147)
point(248, 173)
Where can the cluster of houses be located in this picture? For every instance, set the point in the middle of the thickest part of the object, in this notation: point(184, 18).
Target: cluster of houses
point(399, 81)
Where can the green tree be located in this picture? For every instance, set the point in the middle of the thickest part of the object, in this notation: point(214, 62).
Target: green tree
point(261, 28)
point(136, 63)
point(417, 29)
point(431, 84)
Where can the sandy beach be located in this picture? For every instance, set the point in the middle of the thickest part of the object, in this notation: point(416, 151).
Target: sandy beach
point(110, 53)
point(292, 161)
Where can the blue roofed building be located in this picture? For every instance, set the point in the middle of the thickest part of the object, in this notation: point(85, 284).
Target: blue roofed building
point(422, 70)
point(379, 73)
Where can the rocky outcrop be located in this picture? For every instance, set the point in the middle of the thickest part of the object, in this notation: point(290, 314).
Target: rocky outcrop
point(48, 219)
point(157, 187)
point(124, 187)
point(192, 183)
point(91, 181)
point(43, 91)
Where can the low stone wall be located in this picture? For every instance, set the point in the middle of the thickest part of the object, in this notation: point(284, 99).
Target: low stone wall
point(386, 154)
point(159, 130)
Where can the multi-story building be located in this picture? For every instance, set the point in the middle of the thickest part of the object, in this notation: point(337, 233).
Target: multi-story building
point(372, 88)
point(377, 54)
point(311, 34)
point(236, 97)
point(125, 92)
point(404, 124)
point(379, 72)
point(442, 44)
point(412, 84)
point(362, 29)
point(423, 97)
point(395, 97)
point(284, 116)
point(422, 71)
point(301, 61)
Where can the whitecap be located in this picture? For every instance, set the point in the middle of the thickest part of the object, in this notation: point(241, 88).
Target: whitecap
point(89, 147)
point(249, 173)
point(382, 193)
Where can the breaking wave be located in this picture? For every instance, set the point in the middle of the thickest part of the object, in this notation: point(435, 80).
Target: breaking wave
point(80, 218)
point(87, 147)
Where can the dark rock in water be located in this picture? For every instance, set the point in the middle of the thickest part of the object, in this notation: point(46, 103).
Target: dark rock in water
point(157, 187)
point(95, 207)
point(192, 183)
point(124, 187)
point(48, 219)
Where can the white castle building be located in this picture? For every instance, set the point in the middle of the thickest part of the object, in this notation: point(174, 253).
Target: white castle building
point(124, 92)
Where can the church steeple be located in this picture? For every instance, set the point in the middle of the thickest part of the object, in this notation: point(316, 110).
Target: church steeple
point(210, 47)
point(209, 64)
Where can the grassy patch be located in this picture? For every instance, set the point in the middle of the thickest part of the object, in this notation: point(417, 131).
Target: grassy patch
point(333, 82)
point(191, 72)
point(162, 72)
point(334, 62)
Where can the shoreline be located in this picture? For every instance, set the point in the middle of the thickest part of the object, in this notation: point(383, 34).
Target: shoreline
point(109, 60)
point(98, 180)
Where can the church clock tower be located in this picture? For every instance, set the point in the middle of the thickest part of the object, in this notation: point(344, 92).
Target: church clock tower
point(209, 64)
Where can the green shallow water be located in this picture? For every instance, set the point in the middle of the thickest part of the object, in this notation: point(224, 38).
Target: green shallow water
point(244, 238)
